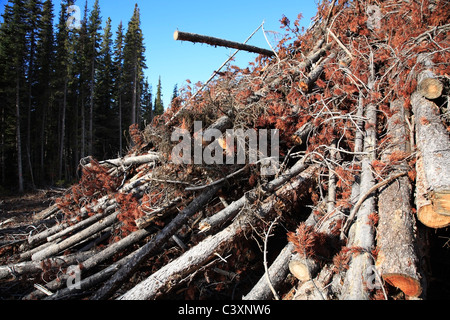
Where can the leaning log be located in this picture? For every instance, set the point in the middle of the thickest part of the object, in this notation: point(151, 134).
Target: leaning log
point(433, 146)
point(148, 249)
point(38, 266)
point(361, 234)
point(277, 274)
point(76, 238)
point(206, 249)
point(197, 38)
point(397, 260)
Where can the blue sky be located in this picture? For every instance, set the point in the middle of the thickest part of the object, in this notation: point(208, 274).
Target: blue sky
point(176, 61)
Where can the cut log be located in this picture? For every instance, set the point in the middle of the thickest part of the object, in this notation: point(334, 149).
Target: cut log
point(433, 144)
point(425, 210)
point(233, 209)
point(148, 249)
point(397, 260)
point(315, 289)
point(277, 273)
point(429, 86)
point(362, 231)
point(197, 38)
point(303, 269)
point(204, 251)
point(37, 266)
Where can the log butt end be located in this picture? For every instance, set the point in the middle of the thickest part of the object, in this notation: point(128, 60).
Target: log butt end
point(431, 219)
point(430, 88)
point(441, 202)
point(410, 286)
point(175, 35)
point(303, 270)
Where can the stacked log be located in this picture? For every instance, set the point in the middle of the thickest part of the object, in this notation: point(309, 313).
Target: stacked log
point(363, 158)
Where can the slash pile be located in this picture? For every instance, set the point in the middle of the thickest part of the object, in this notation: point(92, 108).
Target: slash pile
point(360, 100)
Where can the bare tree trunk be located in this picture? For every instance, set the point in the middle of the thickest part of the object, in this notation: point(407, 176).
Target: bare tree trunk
point(186, 36)
point(63, 130)
point(18, 137)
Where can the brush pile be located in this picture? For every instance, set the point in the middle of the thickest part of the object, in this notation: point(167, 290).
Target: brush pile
point(360, 100)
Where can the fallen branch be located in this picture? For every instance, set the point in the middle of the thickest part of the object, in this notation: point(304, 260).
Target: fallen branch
point(197, 38)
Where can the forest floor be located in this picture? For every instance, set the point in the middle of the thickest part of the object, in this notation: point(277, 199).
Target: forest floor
point(17, 212)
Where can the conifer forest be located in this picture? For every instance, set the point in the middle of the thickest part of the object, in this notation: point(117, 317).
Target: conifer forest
point(319, 171)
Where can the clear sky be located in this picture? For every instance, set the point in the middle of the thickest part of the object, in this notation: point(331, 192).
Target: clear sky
point(176, 61)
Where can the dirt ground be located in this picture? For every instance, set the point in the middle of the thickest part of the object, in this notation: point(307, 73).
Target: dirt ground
point(16, 214)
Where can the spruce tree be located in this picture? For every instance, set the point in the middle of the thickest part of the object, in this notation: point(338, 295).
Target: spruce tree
point(134, 64)
point(147, 104)
point(159, 105)
point(94, 27)
point(13, 49)
point(43, 91)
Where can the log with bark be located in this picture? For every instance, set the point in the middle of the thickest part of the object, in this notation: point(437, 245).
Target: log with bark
point(397, 259)
point(433, 176)
point(198, 38)
point(335, 221)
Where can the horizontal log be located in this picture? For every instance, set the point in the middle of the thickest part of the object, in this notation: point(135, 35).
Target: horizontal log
point(128, 161)
point(167, 209)
point(197, 38)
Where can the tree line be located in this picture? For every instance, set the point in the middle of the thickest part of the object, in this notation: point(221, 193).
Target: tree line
point(67, 92)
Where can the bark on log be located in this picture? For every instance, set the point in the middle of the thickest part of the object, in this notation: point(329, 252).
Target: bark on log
point(149, 248)
point(128, 161)
point(277, 273)
point(230, 211)
point(76, 238)
point(169, 208)
point(197, 38)
point(37, 266)
point(204, 251)
point(87, 283)
point(315, 289)
point(361, 234)
point(433, 144)
point(44, 214)
point(397, 260)
point(428, 85)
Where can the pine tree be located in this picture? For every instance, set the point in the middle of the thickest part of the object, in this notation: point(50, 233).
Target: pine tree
point(159, 105)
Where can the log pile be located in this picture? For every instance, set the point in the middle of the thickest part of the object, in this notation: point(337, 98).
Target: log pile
point(360, 102)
